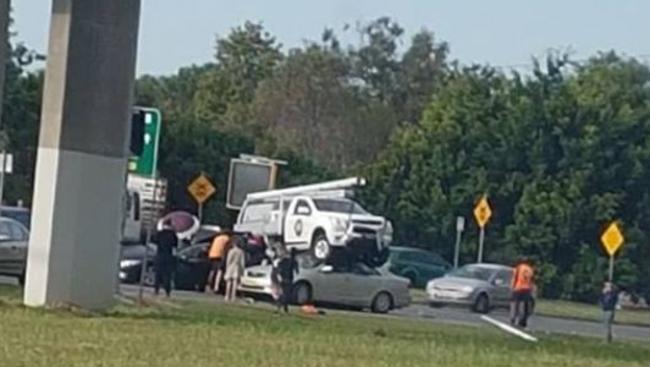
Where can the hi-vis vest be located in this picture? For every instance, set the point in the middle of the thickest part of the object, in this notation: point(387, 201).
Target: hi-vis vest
point(522, 279)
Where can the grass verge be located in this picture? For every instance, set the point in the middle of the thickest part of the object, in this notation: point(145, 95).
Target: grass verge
point(202, 334)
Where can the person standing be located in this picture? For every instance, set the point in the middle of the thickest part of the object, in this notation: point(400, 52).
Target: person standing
point(287, 268)
point(217, 257)
point(522, 287)
point(608, 302)
point(276, 287)
point(235, 265)
point(166, 242)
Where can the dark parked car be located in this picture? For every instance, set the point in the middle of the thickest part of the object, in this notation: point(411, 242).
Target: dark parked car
point(192, 266)
point(131, 264)
point(417, 265)
point(14, 240)
point(20, 214)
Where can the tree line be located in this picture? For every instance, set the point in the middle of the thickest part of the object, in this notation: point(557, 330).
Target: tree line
point(560, 151)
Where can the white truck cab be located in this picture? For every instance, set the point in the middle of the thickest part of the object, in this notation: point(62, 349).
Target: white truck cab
point(317, 218)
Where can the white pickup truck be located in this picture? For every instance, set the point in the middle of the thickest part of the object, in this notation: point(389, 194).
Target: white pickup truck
point(317, 218)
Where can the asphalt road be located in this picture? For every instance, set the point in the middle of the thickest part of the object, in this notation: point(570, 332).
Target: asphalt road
point(538, 324)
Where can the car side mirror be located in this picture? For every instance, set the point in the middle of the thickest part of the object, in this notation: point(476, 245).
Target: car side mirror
point(499, 282)
point(327, 269)
point(302, 210)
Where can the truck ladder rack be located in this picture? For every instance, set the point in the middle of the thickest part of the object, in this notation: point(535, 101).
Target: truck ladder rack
point(339, 187)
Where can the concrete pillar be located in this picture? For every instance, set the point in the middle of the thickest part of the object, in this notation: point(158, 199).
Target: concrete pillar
point(82, 153)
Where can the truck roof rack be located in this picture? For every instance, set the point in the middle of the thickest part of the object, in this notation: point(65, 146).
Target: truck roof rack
point(331, 188)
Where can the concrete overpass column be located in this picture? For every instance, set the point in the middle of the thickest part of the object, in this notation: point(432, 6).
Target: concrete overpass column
point(82, 153)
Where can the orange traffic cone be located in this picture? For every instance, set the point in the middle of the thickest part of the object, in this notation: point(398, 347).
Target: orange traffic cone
point(309, 310)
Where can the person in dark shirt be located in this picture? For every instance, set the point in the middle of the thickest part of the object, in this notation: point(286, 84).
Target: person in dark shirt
point(608, 302)
point(283, 273)
point(166, 241)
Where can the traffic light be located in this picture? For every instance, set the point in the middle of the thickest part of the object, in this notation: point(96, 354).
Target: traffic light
point(137, 132)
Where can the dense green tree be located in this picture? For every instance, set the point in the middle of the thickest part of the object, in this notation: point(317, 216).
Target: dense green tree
point(20, 121)
point(560, 153)
point(309, 106)
point(243, 59)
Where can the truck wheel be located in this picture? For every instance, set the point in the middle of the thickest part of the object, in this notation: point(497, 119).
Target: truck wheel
point(376, 259)
point(320, 247)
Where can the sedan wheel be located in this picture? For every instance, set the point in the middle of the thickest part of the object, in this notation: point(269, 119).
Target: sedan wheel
point(382, 303)
point(482, 304)
point(150, 277)
point(302, 293)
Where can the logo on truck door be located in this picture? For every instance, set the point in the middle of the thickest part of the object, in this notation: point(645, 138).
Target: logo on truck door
point(297, 228)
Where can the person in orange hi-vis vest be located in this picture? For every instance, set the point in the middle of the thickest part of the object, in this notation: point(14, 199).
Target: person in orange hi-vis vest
point(523, 287)
point(217, 256)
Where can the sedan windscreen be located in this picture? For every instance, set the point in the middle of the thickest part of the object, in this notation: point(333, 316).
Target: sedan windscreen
point(472, 272)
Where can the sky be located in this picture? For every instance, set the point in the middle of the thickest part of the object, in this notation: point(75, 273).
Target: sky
point(504, 33)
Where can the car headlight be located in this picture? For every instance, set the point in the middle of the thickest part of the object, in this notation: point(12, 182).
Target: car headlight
point(389, 228)
point(129, 263)
point(388, 232)
point(430, 286)
point(467, 289)
point(339, 224)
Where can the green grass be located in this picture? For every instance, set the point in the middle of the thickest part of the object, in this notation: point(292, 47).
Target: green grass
point(206, 334)
point(590, 312)
point(573, 310)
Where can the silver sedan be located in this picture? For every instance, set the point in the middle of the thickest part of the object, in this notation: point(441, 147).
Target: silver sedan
point(14, 238)
point(357, 286)
point(480, 286)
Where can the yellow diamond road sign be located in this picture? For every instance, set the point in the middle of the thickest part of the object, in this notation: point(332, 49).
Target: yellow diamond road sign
point(482, 212)
point(612, 239)
point(201, 189)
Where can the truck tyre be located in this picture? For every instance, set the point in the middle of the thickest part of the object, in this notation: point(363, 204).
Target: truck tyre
point(320, 247)
point(377, 258)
